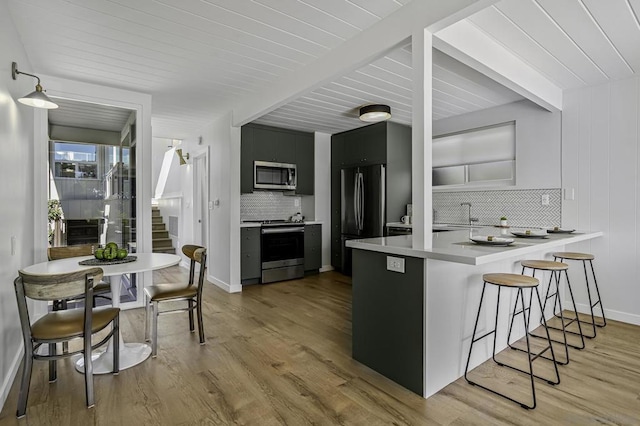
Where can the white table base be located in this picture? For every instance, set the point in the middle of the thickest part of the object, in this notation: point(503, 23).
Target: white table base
point(130, 353)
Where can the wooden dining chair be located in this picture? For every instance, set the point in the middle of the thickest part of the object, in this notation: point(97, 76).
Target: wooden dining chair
point(190, 292)
point(101, 289)
point(62, 326)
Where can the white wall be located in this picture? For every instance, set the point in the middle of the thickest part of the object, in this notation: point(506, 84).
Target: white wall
point(538, 139)
point(601, 162)
point(322, 193)
point(222, 142)
point(158, 147)
point(16, 193)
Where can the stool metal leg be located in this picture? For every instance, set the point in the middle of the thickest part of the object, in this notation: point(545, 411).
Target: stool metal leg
point(531, 357)
point(473, 335)
point(561, 316)
point(591, 305)
point(554, 274)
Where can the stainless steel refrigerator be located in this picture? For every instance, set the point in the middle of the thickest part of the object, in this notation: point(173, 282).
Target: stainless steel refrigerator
point(363, 206)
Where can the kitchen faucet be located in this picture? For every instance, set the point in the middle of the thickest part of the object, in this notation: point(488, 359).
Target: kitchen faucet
point(471, 219)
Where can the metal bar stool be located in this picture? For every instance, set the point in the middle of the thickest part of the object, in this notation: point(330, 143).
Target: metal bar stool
point(556, 269)
point(586, 257)
point(519, 282)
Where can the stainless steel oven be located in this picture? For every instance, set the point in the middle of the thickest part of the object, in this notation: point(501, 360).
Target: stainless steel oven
point(282, 251)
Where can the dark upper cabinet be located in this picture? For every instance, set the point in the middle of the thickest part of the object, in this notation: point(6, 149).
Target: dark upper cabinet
point(274, 145)
point(366, 145)
point(246, 159)
point(264, 143)
point(305, 159)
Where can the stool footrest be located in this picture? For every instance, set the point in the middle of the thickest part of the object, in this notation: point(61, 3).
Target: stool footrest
point(523, 405)
point(484, 335)
point(502, 364)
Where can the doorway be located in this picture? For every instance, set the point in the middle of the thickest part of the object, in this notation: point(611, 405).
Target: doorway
point(92, 179)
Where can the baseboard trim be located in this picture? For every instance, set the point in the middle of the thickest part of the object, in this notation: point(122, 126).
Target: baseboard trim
point(229, 288)
point(11, 375)
point(610, 314)
point(326, 268)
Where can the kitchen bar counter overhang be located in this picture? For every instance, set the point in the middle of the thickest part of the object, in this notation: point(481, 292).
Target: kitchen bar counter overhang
point(415, 327)
point(455, 246)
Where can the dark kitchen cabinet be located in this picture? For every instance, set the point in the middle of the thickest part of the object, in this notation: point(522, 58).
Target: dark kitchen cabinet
point(312, 247)
point(366, 145)
point(381, 143)
point(337, 162)
point(305, 163)
point(274, 145)
point(265, 143)
point(250, 266)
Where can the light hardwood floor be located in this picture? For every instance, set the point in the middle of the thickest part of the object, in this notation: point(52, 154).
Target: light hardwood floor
point(281, 354)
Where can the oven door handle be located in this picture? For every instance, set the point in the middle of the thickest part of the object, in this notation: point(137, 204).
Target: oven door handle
point(283, 230)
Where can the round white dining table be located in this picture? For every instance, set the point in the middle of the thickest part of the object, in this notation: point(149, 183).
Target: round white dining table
point(130, 353)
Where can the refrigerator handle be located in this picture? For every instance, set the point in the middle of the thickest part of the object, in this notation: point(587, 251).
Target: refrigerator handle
point(355, 201)
point(361, 180)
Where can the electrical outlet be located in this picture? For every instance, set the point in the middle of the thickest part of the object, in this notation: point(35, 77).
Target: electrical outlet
point(545, 199)
point(569, 194)
point(395, 264)
point(296, 202)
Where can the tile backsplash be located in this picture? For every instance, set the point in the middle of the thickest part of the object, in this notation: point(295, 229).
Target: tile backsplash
point(266, 205)
point(521, 207)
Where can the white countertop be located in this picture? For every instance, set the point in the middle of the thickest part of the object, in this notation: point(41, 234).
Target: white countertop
point(257, 225)
point(454, 246)
point(399, 225)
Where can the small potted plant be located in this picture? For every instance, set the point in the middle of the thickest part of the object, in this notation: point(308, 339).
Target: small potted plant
point(503, 221)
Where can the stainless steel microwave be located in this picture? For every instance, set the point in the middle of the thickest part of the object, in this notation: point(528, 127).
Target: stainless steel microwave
point(268, 175)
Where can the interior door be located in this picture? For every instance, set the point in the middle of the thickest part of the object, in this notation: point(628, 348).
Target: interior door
point(200, 200)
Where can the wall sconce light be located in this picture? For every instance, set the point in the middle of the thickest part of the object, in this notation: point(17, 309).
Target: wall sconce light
point(374, 113)
point(36, 99)
point(183, 157)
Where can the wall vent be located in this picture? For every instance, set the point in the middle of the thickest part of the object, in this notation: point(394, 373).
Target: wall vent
point(173, 226)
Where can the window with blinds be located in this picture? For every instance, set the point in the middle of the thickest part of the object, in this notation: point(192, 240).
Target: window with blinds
point(482, 156)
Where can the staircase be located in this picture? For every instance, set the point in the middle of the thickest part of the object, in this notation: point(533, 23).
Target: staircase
point(160, 236)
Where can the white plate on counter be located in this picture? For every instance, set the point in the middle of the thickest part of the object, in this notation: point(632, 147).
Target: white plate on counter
point(531, 233)
point(560, 231)
point(492, 241)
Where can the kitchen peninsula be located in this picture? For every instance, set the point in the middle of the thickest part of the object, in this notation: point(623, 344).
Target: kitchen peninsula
point(414, 308)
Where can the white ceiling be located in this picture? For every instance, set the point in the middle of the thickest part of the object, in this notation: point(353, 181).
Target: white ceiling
point(199, 57)
point(82, 114)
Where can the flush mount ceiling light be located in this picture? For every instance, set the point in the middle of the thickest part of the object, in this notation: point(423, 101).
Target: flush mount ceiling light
point(373, 113)
point(36, 99)
point(183, 157)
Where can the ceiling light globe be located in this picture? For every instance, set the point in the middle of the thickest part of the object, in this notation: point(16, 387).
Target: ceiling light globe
point(375, 113)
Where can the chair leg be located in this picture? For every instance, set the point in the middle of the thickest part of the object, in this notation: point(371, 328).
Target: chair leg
point(88, 372)
point(154, 332)
point(116, 345)
point(200, 324)
point(191, 325)
point(25, 382)
point(53, 370)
